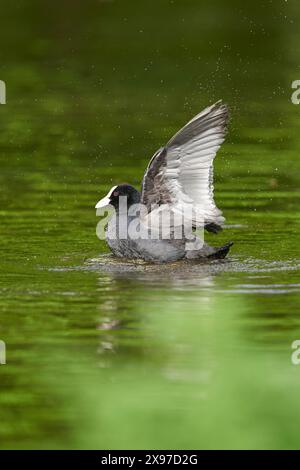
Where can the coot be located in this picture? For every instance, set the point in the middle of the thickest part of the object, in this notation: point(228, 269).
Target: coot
point(162, 222)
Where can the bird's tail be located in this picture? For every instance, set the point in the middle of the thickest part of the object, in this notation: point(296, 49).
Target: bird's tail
point(221, 251)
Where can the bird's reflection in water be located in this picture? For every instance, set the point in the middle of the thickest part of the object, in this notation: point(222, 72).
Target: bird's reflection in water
point(137, 299)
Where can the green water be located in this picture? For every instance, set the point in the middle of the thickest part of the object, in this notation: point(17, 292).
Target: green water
point(102, 354)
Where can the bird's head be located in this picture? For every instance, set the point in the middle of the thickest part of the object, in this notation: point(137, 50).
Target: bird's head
point(113, 196)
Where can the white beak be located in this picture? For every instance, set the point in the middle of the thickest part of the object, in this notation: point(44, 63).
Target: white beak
point(102, 203)
point(106, 200)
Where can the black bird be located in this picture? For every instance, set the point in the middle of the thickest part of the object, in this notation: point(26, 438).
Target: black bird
point(177, 197)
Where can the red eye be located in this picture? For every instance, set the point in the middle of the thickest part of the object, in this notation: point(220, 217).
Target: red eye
point(116, 194)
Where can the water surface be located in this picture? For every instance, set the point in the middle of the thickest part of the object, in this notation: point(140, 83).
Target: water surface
point(109, 354)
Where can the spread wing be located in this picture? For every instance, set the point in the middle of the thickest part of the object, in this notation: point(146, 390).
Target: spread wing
point(181, 173)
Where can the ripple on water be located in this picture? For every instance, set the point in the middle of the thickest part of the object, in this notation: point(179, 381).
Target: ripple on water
point(188, 274)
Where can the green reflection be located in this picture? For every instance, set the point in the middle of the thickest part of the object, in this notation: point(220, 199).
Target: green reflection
point(108, 354)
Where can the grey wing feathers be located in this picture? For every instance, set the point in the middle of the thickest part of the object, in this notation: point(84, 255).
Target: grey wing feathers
point(182, 171)
point(215, 116)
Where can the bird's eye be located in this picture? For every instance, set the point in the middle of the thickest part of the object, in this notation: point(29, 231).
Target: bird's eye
point(116, 193)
